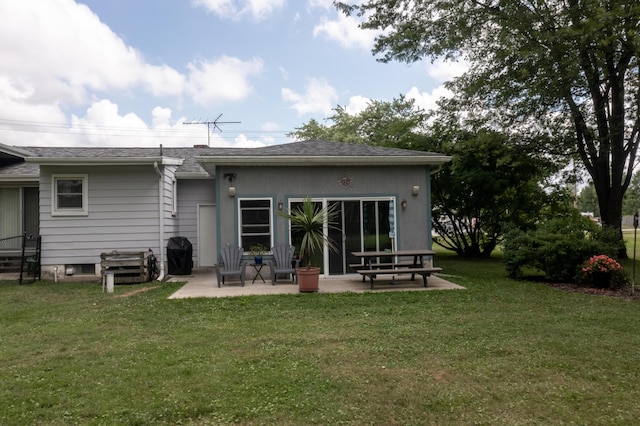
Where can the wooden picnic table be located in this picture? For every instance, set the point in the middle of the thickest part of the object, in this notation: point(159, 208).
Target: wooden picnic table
point(372, 269)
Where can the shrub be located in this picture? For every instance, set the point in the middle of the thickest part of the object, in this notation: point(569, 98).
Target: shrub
point(557, 246)
point(602, 271)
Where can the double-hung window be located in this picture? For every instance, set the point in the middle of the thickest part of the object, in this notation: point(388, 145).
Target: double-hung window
point(70, 195)
point(255, 222)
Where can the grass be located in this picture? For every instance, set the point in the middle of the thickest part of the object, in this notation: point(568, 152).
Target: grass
point(500, 352)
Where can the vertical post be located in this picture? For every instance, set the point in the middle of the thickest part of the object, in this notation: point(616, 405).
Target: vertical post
point(109, 281)
point(635, 236)
point(24, 245)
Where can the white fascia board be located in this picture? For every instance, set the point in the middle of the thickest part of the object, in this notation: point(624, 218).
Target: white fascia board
point(290, 160)
point(106, 161)
point(193, 175)
point(19, 178)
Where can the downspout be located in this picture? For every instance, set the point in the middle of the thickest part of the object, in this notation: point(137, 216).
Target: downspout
point(161, 219)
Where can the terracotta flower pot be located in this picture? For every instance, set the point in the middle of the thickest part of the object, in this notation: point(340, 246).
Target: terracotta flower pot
point(308, 279)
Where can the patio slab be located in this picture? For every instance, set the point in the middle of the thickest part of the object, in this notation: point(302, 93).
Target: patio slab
point(203, 283)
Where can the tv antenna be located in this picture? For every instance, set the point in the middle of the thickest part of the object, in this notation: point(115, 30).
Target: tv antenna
point(211, 123)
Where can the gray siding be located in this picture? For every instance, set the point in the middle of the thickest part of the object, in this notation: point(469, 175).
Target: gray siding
point(283, 183)
point(191, 193)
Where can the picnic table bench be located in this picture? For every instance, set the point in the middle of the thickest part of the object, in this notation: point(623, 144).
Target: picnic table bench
point(370, 269)
point(373, 273)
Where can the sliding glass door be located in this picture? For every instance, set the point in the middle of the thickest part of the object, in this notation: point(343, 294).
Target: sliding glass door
point(360, 224)
point(347, 235)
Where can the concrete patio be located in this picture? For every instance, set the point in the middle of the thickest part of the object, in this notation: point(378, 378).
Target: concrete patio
point(203, 283)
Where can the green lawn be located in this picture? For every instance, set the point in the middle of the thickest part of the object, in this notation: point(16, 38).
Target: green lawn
point(500, 352)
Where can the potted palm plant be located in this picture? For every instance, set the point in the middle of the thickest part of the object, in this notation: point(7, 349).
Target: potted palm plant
point(308, 220)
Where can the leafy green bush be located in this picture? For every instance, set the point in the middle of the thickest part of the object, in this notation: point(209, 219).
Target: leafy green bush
point(557, 246)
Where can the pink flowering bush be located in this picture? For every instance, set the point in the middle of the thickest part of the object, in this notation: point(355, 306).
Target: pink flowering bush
point(601, 271)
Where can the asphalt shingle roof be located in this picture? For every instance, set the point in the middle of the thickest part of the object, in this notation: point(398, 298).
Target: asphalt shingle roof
point(309, 148)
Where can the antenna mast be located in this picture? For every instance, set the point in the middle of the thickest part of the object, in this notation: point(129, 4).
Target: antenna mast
point(215, 124)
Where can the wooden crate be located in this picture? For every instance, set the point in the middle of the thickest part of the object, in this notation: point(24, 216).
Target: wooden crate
point(127, 267)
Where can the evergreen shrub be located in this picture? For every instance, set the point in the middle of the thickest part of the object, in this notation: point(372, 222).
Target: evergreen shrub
point(558, 247)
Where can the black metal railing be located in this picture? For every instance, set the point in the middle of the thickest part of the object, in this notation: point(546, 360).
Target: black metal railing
point(30, 258)
point(5, 243)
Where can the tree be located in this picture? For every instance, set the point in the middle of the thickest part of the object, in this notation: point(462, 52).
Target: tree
point(631, 203)
point(588, 200)
point(394, 124)
point(491, 181)
point(566, 66)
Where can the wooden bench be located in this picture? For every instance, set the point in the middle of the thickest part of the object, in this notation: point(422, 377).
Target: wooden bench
point(425, 272)
point(127, 267)
point(360, 266)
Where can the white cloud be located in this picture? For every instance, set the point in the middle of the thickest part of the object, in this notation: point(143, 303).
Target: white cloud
point(443, 70)
point(346, 32)
point(223, 80)
point(161, 118)
point(427, 101)
point(357, 104)
point(240, 141)
point(237, 9)
point(270, 126)
point(58, 55)
point(318, 97)
point(101, 125)
point(104, 126)
point(64, 50)
point(105, 113)
point(322, 4)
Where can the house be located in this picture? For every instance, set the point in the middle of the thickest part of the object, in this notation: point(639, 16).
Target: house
point(88, 201)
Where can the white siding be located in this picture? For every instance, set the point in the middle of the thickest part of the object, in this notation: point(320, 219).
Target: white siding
point(170, 222)
point(123, 214)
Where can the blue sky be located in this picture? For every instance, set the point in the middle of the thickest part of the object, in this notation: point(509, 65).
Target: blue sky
point(131, 72)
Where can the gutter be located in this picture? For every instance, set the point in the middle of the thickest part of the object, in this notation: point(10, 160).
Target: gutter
point(320, 160)
point(104, 161)
point(161, 219)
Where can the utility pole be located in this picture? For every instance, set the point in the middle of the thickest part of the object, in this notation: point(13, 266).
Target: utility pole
point(215, 124)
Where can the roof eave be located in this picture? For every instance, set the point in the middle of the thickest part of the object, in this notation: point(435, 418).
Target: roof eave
point(15, 151)
point(19, 178)
point(317, 160)
point(105, 161)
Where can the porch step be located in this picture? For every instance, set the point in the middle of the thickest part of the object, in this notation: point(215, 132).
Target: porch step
point(10, 263)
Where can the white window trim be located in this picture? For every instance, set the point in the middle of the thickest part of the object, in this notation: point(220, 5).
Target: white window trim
point(84, 211)
point(271, 219)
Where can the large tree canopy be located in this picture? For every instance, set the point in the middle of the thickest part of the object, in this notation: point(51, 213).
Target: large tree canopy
point(395, 124)
point(492, 182)
point(564, 65)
